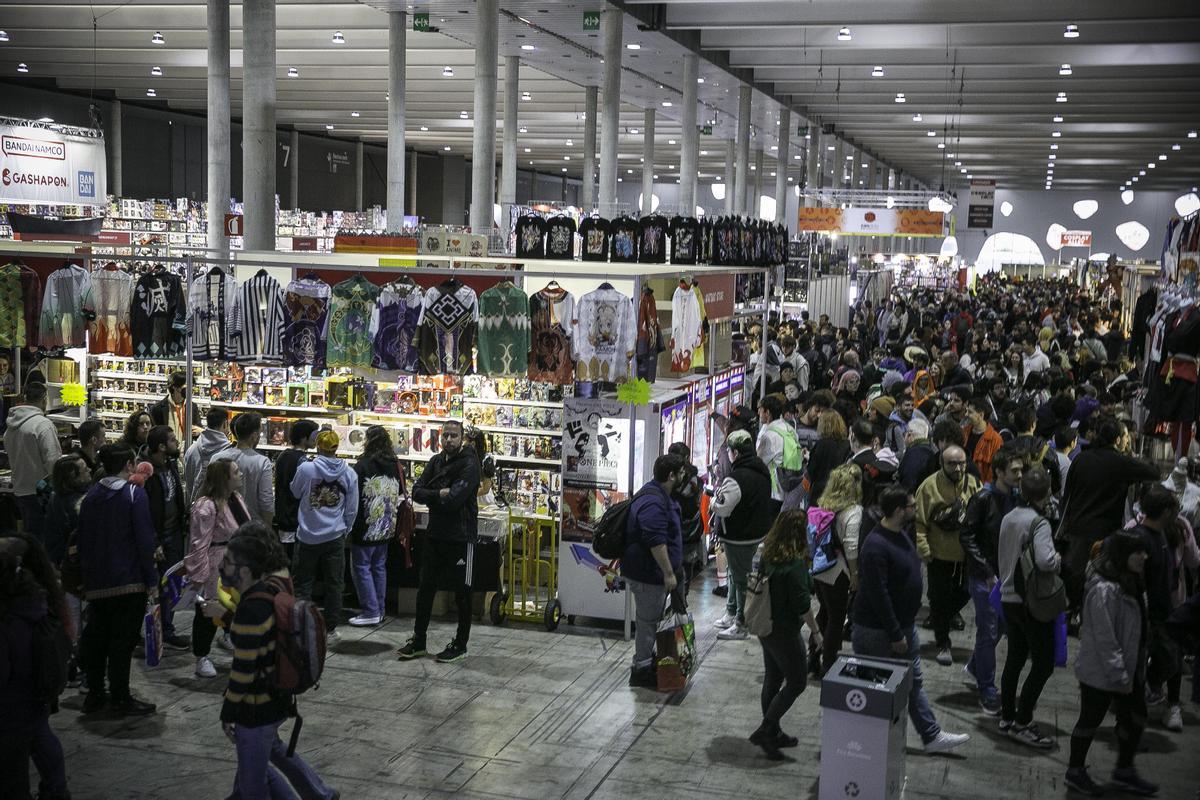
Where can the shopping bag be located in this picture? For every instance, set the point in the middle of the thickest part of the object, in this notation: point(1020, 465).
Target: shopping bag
point(722, 568)
point(174, 589)
point(994, 600)
point(1060, 640)
point(675, 644)
point(152, 634)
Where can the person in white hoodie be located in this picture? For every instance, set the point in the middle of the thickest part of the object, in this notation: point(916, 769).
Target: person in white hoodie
point(212, 440)
point(327, 489)
point(32, 445)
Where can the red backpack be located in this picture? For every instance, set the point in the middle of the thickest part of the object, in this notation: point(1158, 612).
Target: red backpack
point(299, 639)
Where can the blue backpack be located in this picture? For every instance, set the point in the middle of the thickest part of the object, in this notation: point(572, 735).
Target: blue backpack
point(823, 544)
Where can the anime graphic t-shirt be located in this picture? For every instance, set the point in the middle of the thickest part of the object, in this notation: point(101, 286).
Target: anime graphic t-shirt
point(652, 239)
point(623, 241)
point(604, 336)
point(594, 233)
point(351, 323)
point(560, 237)
point(685, 240)
point(397, 312)
point(306, 322)
point(531, 230)
point(448, 328)
point(551, 312)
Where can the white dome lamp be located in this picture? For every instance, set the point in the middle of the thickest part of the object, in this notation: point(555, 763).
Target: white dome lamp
point(1187, 204)
point(1086, 208)
point(1127, 196)
point(1133, 235)
point(949, 247)
point(718, 191)
point(1054, 236)
point(1006, 209)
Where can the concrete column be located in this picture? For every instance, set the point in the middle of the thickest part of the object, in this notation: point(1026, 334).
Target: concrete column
point(611, 35)
point(839, 164)
point(397, 64)
point(412, 189)
point(782, 161)
point(856, 171)
point(742, 176)
point(483, 144)
point(587, 198)
point(648, 162)
point(219, 178)
point(114, 139)
point(754, 202)
point(508, 165)
point(358, 175)
point(294, 168)
point(258, 123)
point(689, 151)
point(813, 166)
point(730, 180)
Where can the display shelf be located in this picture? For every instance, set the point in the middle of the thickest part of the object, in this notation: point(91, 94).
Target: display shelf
point(272, 409)
point(388, 415)
point(495, 401)
point(517, 431)
point(557, 462)
point(72, 418)
point(142, 376)
point(199, 400)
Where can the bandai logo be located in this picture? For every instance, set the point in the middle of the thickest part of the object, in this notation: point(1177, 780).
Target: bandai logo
point(87, 184)
point(869, 216)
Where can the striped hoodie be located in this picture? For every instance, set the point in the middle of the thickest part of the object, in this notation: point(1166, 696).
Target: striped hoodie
point(249, 700)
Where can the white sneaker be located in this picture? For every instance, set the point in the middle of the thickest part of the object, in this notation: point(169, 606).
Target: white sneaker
point(224, 642)
point(727, 621)
point(944, 657)
point(331, 639)
point(205, 668)
point(734, 631)
point(1173, 718)
point(945, 742)
point(363, 621)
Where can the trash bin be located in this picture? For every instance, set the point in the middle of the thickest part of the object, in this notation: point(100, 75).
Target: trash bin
point(864, 720)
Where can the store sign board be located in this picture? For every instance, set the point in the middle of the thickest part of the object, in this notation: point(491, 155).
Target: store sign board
point(591, 20)
point(421, 22)
point(304, 244)
point(981, 204)
point(42, 165)
point(115, 237)
point(873, 221)
point(1076, 238)
point(719, 293)
point(706, 130)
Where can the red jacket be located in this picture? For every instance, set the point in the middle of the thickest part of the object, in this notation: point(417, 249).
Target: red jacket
point(985, 448)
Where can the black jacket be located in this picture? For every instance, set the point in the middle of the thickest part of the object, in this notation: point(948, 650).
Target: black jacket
point(980, 535)
point(287, 507)
point(156, 492)
point(454, 518)
point(160, 413)
point(826, 456)
point(752, 516)
point(687, 495)
point(1094, 495)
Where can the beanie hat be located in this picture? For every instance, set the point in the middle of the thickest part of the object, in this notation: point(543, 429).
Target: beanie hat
point(884, 405)
point(327, 442)
point(740, 442)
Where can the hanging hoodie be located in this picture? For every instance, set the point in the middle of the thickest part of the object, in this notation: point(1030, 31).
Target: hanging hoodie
point(328, 493)
point(604, 335)
point(448, 328)
point(397, 312)
point(214, 318)
point(351, 323)
point(63, 322)
point(157, 319)
point(551, 313)
point(260, 339)
point(503, 331)
point(110, 302)
point(32, 445)
point(306, 322)
point(685, 327)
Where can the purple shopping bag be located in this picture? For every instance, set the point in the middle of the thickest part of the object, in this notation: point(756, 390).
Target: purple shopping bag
point(1060, 640)
point(152, 634)
point(994, 600)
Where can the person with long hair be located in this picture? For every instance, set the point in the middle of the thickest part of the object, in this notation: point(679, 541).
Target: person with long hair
point(842, 498)
point(137, 431)
point(784, 559)
point(380, 495)
point(832, 449)
point(1111, 663)
point(217, 512)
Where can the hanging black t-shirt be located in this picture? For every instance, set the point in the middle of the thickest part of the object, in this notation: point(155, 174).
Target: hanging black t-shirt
point(623, 244)
point(727, 241)
point(560, 237)
point(594, 233)
point(685, 240)
point(652, 239)
point(530, 231)
point(706, 228)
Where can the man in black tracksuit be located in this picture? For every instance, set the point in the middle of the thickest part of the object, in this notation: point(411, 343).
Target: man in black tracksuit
point(448, 488)
point(169, 512)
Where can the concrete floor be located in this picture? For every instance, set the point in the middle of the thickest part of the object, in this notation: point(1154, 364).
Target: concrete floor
point(531, 714)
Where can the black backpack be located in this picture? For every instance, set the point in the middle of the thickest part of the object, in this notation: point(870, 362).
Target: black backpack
point(608, 540)
point(51, 652)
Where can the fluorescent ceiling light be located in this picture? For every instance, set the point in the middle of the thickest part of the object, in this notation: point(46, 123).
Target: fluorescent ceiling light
point(1191, 134)
point(844, 35)
point(447, 149)
point(900, 97)
point(1065, 69)
point(1174, 147)
point(3, 36)
point(699, 80)
point(424, 127)
point(917, 117)
point(633, 46)
point(1057, 118)
point(1071, 32)
point(157, 38)
point(355, 114)
point(293, 72)
point(666, 103)
point(447, 72)
point(528, 47)
point(877, 72)
point(156, 72)
point(151, 93)
point(45, 119)
point(328, 127)
point(1162, 157)
point(338, 38)
point(1056, 134)
point(1061, 98)
point(522, 129)
point(931, 133)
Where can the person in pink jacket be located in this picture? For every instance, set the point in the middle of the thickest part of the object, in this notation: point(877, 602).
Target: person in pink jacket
point(217, 512)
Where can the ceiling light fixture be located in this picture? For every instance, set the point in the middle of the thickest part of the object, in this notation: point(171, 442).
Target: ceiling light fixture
point(1174, 147)
point(425, 127)
point(1056, 134)
point(157, 38)
point(900, 97)
point(666, 103)
point(1162, 157)
point(156, 72)
point(570, 143)
point(293, 72)
point(46, 119)
point(917, 117)
point(462, 115)
point(1062, 97)
point(151, 93)
point(877, 72)
point(1142, 173)
point(941, 145)
point(1071, 32)
point(1052, 156)
point(523, 129)
point(1057, 118)
point(355, 114)
point(633, 46)
point(1053, 147)
point(931, 133)
point(1065, 69)
point(447, 72)
point(844, 35)
point(3, 36)
point(447, 149)
point(338, 38)
point(22, 67)
point(328, 127)
point(528, 47)
point(700, 80)
point(526, 96)
point(527, 150)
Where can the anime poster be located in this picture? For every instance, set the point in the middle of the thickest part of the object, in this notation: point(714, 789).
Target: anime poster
point(596, 443)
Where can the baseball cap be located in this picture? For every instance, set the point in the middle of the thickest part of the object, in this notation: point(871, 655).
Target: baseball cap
point(327, 442)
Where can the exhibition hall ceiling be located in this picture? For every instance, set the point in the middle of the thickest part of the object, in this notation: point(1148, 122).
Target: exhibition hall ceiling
point(984, 78)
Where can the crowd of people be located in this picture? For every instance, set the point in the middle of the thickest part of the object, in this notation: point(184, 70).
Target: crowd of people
point(944, 449)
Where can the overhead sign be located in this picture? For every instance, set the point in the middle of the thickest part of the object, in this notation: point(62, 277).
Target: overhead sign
point(1076, 238)
point(421, 22)
point(719, 294)
point(981, 204)
point(337, 158)
point(44, 164)
point(873, 221)
point(591, 20)
point(706, 130)
point(233, 225)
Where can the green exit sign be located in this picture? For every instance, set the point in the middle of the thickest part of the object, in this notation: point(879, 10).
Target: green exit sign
point(706, 130)
point(421, 22)
point(591, 20)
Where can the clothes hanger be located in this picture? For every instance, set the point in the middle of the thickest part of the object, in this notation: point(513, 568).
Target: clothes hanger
point(605, 285)
point(261, 272)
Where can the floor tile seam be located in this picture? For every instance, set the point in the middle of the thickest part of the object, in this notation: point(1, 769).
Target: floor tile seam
point(610, 678)
point(602, 677)
point(622, 754)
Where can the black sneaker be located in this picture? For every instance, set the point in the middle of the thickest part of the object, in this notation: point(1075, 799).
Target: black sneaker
point(959, 624)
point(721, 591)
point(177, 641)
point(1079, 780)
point(783, 740)
point(1129, 780)
point(644, 678)
point(1030, 735)
point(94, 702)
point(453, 652)
point(764, 737)
point(132, 707)
point(411, 650)
point(990, 706)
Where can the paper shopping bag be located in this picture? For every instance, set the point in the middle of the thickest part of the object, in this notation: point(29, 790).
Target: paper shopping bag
point(675, 644)
point(152, 634)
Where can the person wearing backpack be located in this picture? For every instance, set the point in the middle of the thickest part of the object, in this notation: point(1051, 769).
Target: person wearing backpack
point(834, 584)
point(1029, 639)
point(743, 503)
point(380, 494)
point(779, 449)
point(784, 561)
point(254, 707)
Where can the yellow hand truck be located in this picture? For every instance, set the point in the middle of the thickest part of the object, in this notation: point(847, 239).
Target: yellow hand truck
point(530, 575)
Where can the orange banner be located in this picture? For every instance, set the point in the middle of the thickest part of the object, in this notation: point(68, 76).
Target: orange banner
point(918, 222)
point(820, 220)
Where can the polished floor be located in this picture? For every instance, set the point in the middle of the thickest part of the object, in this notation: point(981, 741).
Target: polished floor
point(531, 714)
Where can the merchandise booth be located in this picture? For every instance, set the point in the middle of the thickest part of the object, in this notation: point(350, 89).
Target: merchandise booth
point(532, 353)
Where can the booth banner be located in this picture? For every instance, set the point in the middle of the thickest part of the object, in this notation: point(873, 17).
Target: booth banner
point(46, 165)
point(596, 443)
point(1076, 238)
point(873, 221)
point(981, 204)
point(719, 294)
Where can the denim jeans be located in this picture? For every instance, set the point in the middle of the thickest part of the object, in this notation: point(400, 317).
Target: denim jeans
point(259, 753)
point(740, 558)
point(988, 630)
point(33, 515)
point(328, 558)
point(369, 569)
point(47, 753)
point(876, 642)
point(649, 601)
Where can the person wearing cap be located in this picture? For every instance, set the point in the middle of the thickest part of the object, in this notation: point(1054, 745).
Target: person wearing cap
point(879, 411)
point(328, 493)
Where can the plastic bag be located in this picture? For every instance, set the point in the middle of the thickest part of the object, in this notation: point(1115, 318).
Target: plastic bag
point(1060, 640)
point(996, 603)
point(152, 634)
point(675, 644)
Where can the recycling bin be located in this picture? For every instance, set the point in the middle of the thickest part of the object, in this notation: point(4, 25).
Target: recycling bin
point(864, 720)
